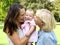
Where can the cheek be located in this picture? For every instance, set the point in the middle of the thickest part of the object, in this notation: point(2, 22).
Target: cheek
point(30, 17)
point(21, 19)
point(36, 21)
point(27, 17)
point(39, 22)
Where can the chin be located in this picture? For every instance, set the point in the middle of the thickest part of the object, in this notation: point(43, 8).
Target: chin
point(21, 22)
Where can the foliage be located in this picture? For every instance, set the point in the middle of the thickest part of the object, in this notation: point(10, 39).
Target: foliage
point(4, 6)
point(34, 4)
point(37, 4)
point(56, 11)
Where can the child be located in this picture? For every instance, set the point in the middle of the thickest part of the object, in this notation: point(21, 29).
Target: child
point(47, 24)
point(28, 25)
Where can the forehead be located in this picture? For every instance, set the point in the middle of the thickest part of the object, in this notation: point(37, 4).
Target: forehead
point(29, 13)
point(22, 11)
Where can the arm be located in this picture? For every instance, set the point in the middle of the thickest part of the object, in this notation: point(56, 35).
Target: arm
point(32, 26)
point(32, 29)
point(16, 40)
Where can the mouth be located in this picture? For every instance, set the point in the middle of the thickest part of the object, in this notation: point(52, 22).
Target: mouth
point(21, 22)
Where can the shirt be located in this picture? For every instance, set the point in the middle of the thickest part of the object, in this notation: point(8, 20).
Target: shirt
point(46, 38)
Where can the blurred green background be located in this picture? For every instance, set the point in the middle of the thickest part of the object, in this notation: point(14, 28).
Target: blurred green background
point(4, 39)
point(52, 5)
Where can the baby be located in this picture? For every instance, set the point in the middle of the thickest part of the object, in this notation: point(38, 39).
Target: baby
point(28, 25)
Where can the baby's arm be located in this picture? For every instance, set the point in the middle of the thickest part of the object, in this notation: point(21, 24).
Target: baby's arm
point(32, 27)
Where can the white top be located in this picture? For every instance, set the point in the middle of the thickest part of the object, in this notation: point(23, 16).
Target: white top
point(20, 33)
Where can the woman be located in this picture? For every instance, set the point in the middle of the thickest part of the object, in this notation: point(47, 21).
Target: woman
point(12, 26)
point(45, 20)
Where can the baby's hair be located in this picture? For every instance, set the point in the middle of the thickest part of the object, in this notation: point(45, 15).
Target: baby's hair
point(48, 19)
point(30, 11)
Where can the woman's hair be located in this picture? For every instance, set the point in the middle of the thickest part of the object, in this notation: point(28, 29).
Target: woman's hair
point(11, 17)
point(47, 18)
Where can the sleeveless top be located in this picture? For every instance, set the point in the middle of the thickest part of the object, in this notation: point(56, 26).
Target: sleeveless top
point(20, 33)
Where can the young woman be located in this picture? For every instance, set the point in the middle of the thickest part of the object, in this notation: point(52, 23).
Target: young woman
point(12, 25)
point(45, 20)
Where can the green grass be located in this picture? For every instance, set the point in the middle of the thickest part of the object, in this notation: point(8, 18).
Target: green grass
point(4, 40)
point(3, 37)
point(57, 32)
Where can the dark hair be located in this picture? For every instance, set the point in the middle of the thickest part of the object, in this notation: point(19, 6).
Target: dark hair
point(13, 13)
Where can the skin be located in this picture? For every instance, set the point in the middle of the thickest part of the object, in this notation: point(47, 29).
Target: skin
point(38, 21)
point(29, 15)
point(15, 38)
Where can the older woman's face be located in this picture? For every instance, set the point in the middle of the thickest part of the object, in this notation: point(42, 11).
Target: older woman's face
point(21, 16)
point(38, 21)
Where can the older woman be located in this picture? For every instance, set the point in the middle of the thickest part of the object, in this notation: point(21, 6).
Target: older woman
point(45, 20)
point(12, 25)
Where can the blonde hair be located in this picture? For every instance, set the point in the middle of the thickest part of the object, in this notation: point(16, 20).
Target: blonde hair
point(30, 11)
point(48, 19)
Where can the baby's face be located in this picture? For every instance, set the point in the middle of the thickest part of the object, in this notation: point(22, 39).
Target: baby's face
point(29, 16)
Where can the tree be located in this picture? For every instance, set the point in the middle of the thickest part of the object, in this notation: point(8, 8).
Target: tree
point(34, 4)
point(56, 11)
point(37, 4)
point(4, 6)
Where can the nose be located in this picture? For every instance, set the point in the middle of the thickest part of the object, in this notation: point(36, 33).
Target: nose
point(24, 16)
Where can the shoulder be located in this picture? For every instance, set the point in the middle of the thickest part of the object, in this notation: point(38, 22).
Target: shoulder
point(45, 34)
point(49, 36)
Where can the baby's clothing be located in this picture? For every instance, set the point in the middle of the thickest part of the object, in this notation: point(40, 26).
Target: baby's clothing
point(25, 27)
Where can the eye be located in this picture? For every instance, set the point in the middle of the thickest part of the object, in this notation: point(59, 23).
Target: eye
point(23, 14)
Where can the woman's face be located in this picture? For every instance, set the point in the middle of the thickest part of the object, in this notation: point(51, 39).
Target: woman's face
point(38, 21)
point(21, 16)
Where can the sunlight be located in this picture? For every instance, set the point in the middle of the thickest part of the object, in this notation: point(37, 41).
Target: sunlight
point(51, 0)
